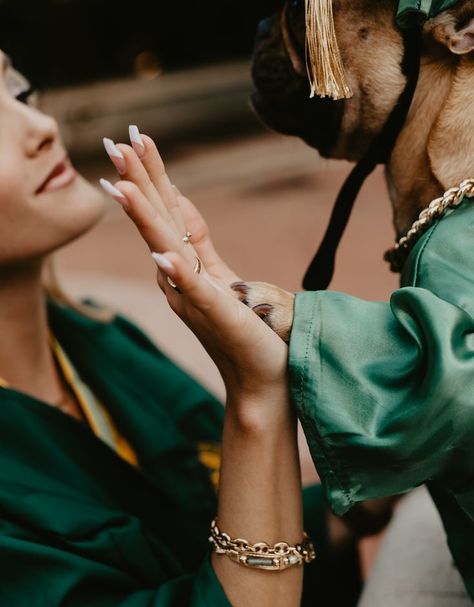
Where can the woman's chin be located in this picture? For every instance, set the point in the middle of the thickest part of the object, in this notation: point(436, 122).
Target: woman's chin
point(82, 207)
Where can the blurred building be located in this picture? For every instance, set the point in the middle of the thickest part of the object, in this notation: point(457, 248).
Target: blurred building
point(179, 69)
point(61, 42)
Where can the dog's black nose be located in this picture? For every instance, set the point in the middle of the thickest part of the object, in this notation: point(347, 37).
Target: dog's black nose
point(264, 26)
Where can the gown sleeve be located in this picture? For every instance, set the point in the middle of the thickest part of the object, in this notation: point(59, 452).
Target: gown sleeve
point(62, 578)
point(201, 590)
point(383, 391)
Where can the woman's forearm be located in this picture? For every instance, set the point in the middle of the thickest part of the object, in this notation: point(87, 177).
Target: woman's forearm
point(260, 498)
point(260, 494)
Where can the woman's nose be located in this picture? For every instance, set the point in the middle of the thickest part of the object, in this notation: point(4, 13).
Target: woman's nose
point(43, 132)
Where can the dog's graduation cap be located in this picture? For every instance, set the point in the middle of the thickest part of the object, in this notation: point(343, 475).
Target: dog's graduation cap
point(327, 79)
point(416, 11)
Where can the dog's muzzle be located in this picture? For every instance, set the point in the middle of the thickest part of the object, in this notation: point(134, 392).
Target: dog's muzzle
point(282, 87)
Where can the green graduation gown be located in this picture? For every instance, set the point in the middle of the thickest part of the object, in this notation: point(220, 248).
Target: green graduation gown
point(410, 12)
point(79, 526)
point(385, 391)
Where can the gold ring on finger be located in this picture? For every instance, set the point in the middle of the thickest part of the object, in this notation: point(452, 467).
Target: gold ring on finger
point(174, 286)
point(197, 270)
point(197, 265)
point(187, 238)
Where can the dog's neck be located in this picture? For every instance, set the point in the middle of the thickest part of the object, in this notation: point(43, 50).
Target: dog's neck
point(411, 180)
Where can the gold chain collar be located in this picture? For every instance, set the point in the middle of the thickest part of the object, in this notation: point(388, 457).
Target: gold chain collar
point(437, 208)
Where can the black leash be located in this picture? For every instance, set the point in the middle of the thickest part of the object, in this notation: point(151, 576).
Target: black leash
point(321, 270)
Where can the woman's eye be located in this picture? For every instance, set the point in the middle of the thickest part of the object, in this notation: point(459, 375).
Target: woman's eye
point(25, 96)
point(18, 86)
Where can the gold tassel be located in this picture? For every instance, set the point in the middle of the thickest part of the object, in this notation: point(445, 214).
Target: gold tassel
point(323, 58)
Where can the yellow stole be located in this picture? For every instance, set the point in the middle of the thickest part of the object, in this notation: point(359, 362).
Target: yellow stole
point(103, 426)
point(93, 410)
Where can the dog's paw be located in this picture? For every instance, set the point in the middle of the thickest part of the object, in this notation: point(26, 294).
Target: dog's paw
point(272, 304)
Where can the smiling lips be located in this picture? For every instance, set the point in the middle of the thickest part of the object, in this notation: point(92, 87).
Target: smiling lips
point(61, 176)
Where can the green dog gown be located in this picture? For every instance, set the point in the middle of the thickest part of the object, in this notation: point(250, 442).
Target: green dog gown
point(385, 391)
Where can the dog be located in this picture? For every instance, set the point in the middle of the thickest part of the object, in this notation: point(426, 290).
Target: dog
point(433, 152)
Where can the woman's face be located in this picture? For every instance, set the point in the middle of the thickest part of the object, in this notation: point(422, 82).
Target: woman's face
point(44, 203)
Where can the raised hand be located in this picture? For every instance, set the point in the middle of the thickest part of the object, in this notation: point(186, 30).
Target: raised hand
point(249, 355)
point(142, 165)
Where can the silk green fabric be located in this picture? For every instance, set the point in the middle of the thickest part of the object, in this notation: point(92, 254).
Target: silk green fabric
point(414, 11)
point(385, 391)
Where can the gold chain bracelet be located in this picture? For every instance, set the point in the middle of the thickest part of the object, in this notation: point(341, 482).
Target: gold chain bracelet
point(437, 208)
point(261, 555)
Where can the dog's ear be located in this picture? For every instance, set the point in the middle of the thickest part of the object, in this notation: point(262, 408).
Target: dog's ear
point(462, 42)
point(455, 31)
point(451, 141)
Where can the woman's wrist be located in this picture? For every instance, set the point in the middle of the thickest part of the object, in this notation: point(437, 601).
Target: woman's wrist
point(257, 412)
point(260, 492)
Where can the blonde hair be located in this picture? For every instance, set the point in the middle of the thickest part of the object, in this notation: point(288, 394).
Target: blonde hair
point(55, 292)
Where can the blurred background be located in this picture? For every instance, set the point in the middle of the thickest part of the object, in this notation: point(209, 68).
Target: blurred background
point(180, 71)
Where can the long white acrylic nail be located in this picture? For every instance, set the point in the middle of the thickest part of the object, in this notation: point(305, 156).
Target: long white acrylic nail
point(114, 192)
point(115, 155)
point(162, 262)
point(136, 140)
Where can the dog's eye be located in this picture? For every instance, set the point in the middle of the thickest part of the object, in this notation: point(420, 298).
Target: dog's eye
point(297, 6)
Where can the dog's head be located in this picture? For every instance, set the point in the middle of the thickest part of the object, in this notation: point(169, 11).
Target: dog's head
point(372, 50)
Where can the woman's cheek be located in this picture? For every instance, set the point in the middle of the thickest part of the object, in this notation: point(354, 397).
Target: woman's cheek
point(16, 228)
point(62, 216)
point(13, 197)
